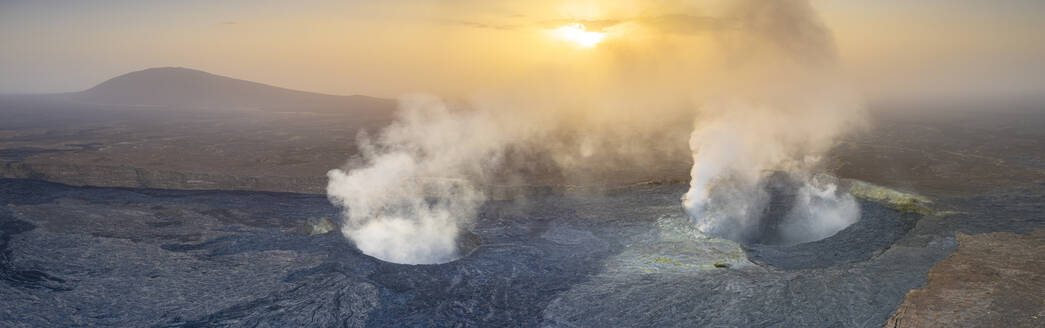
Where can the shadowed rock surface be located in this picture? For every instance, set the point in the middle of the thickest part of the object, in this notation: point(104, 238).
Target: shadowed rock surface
point(143, 257)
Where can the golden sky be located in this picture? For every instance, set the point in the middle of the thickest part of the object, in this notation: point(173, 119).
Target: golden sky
point(890, 48)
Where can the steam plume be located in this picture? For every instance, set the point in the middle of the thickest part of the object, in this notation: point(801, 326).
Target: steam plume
point(756, 77)
point(785, 108)
point(411, 194)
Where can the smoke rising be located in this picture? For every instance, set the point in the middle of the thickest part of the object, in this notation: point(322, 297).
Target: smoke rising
point(751, 85)
point(411, 192)
point(790, 107)
point(819, 211)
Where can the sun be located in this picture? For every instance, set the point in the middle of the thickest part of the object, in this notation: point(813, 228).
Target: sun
point(576, 33)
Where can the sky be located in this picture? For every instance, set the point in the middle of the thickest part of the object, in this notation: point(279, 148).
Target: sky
point(891, 49)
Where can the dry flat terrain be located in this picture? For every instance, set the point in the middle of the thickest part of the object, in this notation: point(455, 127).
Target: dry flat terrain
point(201, 131)
point(993, 279)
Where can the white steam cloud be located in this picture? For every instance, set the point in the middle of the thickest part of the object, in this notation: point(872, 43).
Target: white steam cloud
point(819, 211)
point(756, 77)
point(787, 108)
point(411, 195)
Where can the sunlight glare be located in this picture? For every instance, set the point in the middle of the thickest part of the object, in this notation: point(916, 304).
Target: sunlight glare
point(577, 34)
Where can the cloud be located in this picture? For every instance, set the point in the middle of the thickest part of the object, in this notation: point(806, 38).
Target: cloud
point(473, 24)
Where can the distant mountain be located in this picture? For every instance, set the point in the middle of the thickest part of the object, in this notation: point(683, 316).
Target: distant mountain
point(176, 87)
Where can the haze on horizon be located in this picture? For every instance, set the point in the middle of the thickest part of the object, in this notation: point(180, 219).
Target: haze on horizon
point(891, 49)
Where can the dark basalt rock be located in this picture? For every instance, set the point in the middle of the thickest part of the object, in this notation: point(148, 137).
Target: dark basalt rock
point(878, 229)
point(146, 257)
